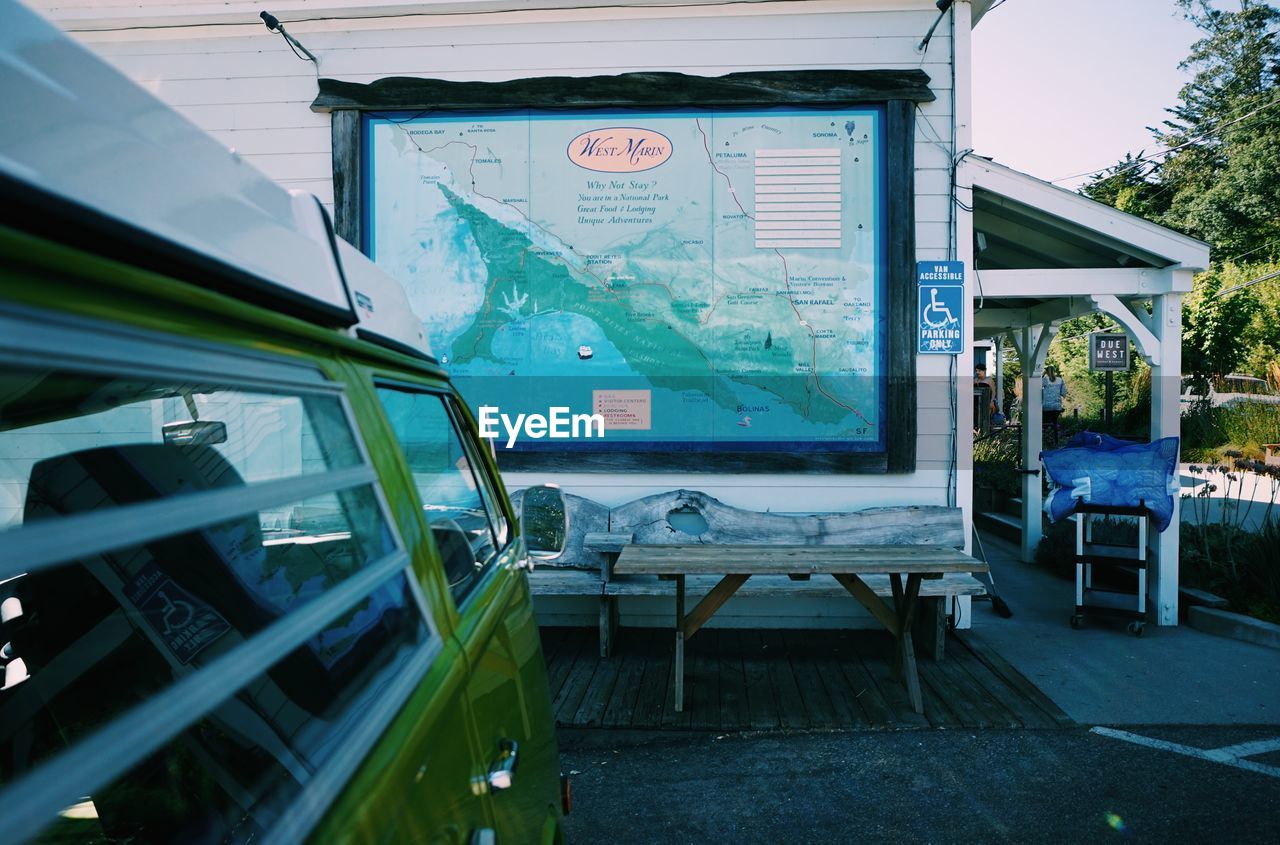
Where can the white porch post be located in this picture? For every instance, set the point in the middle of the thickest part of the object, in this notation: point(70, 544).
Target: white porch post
point(962, 94)
point(1032, 437)
point(1034, 349)
point(1166, 385)
point(997, 352)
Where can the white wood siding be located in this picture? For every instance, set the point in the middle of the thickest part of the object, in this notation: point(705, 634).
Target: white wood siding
point(243, 84)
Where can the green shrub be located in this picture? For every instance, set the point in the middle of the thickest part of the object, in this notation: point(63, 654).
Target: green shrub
point(1240, 566)
point(1208, 432)
point(1057, 549)
point(1218, 551)
point(1264, 575)
point(995, 463)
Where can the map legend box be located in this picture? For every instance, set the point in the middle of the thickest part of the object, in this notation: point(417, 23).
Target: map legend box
point(798, 197)
point(624, 410)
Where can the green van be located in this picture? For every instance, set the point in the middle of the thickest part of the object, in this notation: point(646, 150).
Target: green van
point(259, 578)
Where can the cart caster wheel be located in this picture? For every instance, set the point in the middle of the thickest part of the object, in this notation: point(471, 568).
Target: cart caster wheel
point(1075, 620)
point(1135, 628)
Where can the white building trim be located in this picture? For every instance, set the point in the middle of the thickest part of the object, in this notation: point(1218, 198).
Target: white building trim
point(107, 15)
point(1121, 281)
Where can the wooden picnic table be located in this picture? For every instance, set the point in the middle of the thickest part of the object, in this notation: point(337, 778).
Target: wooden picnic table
point(847, 564)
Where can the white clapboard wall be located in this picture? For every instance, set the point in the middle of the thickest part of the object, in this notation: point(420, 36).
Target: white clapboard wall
point(242, 84)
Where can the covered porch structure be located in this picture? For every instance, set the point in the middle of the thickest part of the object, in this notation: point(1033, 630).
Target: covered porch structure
point(1042, 255)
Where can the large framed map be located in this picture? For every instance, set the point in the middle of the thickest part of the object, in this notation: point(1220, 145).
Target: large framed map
point(711, 281)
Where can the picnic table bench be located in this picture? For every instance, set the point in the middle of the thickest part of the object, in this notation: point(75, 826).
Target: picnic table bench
point(698, 525)
point(848, 565)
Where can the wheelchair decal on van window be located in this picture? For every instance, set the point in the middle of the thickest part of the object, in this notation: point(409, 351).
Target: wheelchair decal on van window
point(184, 623)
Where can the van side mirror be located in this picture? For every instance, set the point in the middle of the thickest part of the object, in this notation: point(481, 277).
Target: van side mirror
point(544, 522)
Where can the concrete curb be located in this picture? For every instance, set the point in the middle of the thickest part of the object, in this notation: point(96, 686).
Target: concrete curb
point(1223, 623)
point(1194, 597)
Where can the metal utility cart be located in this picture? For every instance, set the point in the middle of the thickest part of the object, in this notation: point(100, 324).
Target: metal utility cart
point(1090, 554)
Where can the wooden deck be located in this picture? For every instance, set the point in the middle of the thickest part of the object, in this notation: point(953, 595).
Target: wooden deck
point(738, 680)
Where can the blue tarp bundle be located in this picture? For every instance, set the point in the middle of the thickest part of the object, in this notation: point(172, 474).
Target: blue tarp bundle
point(1097, 440)
point(1101, 470)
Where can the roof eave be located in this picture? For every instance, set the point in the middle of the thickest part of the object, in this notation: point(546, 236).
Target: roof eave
point(980, 8)
point(1179, 250)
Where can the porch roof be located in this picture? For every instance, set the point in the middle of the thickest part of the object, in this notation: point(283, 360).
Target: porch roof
point(1043, 255)
point(1024, 223)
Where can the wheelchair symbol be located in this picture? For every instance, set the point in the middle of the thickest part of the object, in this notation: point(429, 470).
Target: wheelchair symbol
point(937, 308)
point(174, 610)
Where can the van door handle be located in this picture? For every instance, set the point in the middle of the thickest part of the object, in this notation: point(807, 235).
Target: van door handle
point(502, 773)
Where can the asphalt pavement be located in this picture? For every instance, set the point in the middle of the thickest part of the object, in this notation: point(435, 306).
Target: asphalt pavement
point(1179, 742)
point(1141, 784)
point(1101, 675)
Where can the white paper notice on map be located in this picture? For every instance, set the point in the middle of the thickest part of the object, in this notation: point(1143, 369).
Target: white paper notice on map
point(726, 265)
point(798, 198)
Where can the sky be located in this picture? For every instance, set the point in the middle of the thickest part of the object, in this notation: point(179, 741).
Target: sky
point(1064, 86)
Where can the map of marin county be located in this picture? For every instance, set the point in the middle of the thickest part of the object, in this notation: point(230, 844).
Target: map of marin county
point(716, 272)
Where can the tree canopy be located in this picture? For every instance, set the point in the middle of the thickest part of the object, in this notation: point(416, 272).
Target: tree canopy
point(1214, 173)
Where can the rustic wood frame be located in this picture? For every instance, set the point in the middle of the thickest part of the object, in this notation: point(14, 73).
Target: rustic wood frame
point(897, 90)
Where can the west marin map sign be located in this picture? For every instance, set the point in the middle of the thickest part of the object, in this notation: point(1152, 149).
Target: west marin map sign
point(706, 280)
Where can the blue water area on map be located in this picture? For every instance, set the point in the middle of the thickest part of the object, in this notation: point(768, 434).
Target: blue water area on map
point(548, 345)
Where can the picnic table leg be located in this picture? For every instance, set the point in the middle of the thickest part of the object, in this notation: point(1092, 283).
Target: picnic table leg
point(679, 643)
point(608, 609)
point(893, 618)
point(931, 626)
point(904, 663)
point(608, 624)
point(687, 626)
point(896, 664)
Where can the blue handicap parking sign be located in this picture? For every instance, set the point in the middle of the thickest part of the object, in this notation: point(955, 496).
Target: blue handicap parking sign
point(939, 315)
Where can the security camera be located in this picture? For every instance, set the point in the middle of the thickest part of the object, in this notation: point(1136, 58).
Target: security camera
point(272, 22)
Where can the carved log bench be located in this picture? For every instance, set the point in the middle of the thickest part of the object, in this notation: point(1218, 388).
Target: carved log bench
point(597, 535)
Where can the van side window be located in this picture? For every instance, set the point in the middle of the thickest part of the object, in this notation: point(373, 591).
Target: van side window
point(236, 436)
point(488, 491)
point(458, 509)
point(157, 533)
